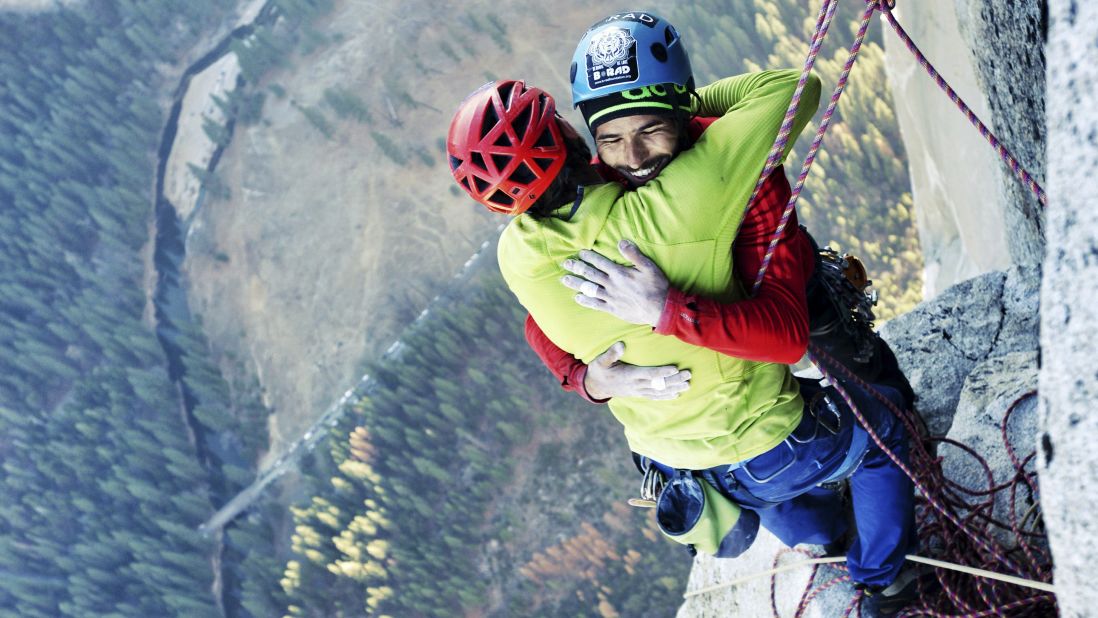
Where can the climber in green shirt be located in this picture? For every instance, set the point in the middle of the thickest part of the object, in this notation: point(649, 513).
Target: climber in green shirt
point(735, 409)
point(511, 152)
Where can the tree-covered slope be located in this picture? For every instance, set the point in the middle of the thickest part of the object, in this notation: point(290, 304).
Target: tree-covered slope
point(102, 486)
point(466, 481)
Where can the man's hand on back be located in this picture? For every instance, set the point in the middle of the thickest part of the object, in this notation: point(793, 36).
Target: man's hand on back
point(607, 377)
point(635, 293)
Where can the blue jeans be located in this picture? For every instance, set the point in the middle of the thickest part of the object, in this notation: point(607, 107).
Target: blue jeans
point(782, 484)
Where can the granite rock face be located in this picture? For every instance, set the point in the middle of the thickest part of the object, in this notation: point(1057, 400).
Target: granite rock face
point(997, 418)
point(715, 589)
point(940, 342)
point(1068, 461)
point(957, 180)
point(1007, 40)
point(974, 215)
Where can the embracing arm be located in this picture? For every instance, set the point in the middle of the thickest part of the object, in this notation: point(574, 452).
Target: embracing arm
point(760, 101)
point(772, 326)
point(606, 377)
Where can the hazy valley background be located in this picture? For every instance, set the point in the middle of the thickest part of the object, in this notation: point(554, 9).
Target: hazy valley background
point(140, 393)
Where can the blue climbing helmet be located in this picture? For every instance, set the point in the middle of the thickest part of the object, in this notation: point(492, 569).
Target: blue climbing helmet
point(630, 63)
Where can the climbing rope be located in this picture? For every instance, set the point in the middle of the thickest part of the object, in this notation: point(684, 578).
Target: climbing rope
point(818, 561)
point(825, 123)
point(948, 523)
point(944, 527)
point(946, 519)
point(823, 22)
point(1004, 153)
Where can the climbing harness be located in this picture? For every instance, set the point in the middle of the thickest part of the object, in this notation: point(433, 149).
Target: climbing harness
point(947, 520)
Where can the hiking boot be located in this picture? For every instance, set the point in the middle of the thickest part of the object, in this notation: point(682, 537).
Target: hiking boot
point(901, 593)
point(841, 545)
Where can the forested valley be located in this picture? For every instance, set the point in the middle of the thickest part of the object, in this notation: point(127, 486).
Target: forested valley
point(460, 479)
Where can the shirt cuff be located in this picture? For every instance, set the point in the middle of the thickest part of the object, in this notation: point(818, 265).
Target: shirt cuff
point(675, 307)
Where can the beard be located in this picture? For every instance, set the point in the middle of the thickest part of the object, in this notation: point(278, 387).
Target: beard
point(649, 170)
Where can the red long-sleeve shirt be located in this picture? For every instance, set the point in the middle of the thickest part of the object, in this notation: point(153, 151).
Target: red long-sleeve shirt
point(771, 326)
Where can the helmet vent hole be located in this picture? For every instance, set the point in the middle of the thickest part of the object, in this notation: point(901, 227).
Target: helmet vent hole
point(454, 163)
point(522, 122)
point(465, 183)
point(544, 163)
point(669, 35)
point(505, 92)
point(478, 161)
point(491, 119)
point(523, 174)
point(482, 184)
point(502, 140)
point(572, 73)
point(546, 140)
point(659, 52)
point(501, 161)
point(500, 198)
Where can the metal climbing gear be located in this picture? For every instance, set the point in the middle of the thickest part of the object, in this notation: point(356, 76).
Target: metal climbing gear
point(841, 279)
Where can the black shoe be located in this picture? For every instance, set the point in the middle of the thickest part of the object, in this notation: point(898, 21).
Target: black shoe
point(841, 545)
point(901, 593)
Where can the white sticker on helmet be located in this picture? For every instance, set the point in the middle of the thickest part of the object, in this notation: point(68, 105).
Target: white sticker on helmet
point(611, 58)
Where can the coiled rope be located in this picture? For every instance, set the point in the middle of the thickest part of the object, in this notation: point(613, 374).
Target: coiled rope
point(949, 523)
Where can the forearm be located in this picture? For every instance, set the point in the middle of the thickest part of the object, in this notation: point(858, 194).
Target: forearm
point(772, 326)
point(768, 93)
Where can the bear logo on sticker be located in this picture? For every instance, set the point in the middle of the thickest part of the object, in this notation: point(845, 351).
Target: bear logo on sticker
point(611, 58)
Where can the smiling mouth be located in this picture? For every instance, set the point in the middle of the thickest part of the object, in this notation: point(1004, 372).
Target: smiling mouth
point(645, 174)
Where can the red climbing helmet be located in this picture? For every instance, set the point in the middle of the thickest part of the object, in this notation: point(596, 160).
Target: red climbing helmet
point(505, 145)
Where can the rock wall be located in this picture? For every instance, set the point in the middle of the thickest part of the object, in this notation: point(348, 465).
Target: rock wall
point(34, 5)
point(956, 179)
point(1068, 464)
point(1007, 40)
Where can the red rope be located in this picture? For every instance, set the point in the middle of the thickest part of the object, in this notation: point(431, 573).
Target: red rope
point(810, 592)
point(958, 531)
point(823, 22)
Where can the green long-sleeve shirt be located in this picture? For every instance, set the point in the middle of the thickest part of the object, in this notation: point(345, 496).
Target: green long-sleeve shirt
point(685, 220)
